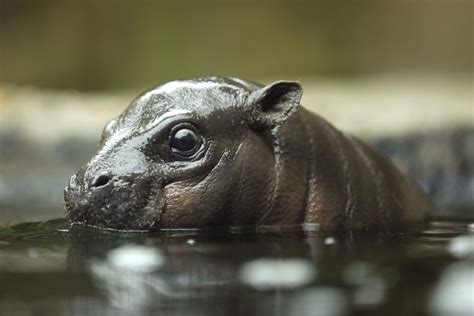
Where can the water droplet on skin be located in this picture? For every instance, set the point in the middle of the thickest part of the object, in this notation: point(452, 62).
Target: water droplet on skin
point(265, 273)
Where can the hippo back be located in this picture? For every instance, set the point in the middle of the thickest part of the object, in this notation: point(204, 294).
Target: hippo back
point(348, 184)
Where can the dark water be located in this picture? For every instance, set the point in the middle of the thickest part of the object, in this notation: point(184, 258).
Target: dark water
point(46, 269)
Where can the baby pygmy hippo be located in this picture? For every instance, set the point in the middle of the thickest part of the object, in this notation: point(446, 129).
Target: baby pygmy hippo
point(218, 151)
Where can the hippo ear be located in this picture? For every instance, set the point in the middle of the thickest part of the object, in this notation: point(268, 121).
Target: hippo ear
point(272, 105)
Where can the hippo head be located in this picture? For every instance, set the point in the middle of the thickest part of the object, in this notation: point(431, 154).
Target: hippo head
point(189, 153)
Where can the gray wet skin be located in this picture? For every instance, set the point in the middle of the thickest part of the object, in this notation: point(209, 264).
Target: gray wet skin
point(227, 152)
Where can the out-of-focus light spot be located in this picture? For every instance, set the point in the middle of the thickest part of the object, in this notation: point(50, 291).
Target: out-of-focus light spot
point(190, 242)
point(371, 293)
point(33, 253)
point(358, 273)
point(310, 227)
point(462, 246)
point(135, 258)
point(265, 274)
point(371, 289)
point(321, 301)
point(329, 241)
point(470, 227)
point(454, 294)
point(127, 276)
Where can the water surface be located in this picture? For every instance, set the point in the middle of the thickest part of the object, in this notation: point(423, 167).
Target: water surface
point(48, 269)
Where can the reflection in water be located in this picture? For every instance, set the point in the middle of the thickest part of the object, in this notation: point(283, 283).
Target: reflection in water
point(265, 274)
point(135, 258)
point(454, 293)
point(371, 293)
point(370, 288)
point(321, 301)
point(462, 246)
point(329, 240)
point(126, 276)
point(470, 227)
point(236, 272)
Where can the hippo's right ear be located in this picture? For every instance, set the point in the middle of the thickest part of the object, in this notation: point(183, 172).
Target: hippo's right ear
point(272, 105)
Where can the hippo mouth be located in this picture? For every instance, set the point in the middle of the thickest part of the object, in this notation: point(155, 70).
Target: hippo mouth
point(123, 204)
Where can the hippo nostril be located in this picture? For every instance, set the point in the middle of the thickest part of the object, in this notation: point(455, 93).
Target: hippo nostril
point(101, 181)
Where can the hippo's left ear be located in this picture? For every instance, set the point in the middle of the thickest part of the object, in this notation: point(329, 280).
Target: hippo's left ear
point(272, 105)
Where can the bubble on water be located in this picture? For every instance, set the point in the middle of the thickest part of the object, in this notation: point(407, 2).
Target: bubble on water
point(135, 258)
point(267, 273)
point(322, 301)
point(454, 293)
point(462, 246)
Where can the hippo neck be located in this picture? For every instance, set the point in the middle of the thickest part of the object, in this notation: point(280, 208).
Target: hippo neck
point(292, 173)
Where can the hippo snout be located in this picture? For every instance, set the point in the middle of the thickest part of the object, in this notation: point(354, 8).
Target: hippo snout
point(83, 193)
point(84, 198)
point(109, 201)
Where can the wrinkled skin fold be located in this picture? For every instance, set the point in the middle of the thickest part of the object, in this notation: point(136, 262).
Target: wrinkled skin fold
point(227, 152)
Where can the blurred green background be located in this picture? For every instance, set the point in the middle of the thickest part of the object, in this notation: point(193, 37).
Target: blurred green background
point(118, 44)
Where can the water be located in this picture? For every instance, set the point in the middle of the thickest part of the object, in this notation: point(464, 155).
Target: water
point(46, 269)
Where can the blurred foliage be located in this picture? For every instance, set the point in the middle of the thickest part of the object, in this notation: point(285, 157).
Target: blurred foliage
point(119, 44)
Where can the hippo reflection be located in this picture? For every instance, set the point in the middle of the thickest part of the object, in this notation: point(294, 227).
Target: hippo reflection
point(226, 152)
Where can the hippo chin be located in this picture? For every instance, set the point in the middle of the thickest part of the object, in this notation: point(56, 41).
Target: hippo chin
point(228, 152)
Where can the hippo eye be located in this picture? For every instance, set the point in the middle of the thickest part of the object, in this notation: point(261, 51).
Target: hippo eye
point(184, 141)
